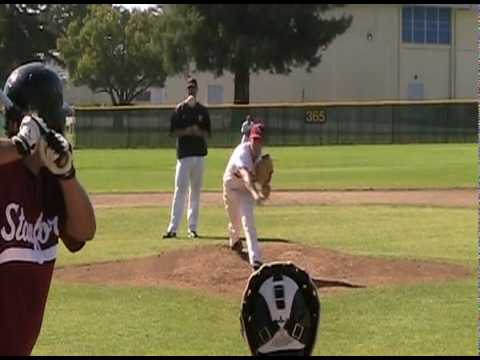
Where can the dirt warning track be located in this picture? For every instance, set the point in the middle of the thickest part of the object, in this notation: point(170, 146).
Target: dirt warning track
point(448, 198)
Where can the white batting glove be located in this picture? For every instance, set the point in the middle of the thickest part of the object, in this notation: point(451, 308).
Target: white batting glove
point(57, 155)
point(29, 135)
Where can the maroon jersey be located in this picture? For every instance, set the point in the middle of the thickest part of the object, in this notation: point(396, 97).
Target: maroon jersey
point(32, 211)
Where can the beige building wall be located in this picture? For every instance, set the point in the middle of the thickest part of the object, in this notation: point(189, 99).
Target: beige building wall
point(466, 56)
point(82, 95)
point(430, 64)
point(175, 87)
point(446, 71)
point(370, 62)
point(353, 67)
point(367, 62)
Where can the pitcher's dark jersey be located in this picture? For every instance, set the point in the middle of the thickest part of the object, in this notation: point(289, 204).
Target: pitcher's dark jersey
point(185, 116)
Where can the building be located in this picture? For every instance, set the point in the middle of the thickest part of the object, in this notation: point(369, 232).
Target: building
point(390, 52)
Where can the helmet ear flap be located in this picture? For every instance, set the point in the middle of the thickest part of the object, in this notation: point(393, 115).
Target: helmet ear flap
point(13, 118)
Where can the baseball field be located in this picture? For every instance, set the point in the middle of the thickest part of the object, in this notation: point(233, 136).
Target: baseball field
point(399, 222)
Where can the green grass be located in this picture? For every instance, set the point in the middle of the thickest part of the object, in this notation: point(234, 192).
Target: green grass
point(434, 319)
point(446, 234)
point(321, 167)
point(426, 319)
point(89, 320)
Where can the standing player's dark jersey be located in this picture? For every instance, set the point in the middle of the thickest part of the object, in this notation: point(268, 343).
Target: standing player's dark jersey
point(32, 212)
point(185, 116)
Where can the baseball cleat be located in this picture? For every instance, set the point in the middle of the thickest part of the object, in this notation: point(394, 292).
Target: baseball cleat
point(256, 265)
point(237, 247)
point(169, 235)
point(192, 234)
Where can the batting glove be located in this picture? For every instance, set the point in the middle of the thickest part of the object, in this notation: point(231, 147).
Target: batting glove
point(29, 135)
point(57, 155)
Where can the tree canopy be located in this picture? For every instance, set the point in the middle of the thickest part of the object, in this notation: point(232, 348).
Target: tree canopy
point(123, 53)
point(29, 31)
point(245, 38)
point(116, 51)
point(23, 36)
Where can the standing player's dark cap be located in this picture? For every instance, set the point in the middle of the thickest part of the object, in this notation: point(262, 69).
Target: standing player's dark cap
point(191, 82)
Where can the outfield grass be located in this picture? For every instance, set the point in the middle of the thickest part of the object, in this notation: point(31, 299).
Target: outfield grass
point(320, 167)
point(446, 234)
point(435, 319)
point(426, 319)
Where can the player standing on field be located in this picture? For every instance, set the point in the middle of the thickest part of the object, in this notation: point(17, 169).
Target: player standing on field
point(190, 122)
point(240, 194)
point(40, 202)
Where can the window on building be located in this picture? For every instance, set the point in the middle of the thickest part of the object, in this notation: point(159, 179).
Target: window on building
point(415, 91)
point(426, 25)
point(215, 94)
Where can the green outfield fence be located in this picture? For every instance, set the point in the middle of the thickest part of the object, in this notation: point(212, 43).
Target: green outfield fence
point(387, 122)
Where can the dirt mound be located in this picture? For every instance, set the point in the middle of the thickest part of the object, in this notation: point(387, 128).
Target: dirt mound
point(216, 269)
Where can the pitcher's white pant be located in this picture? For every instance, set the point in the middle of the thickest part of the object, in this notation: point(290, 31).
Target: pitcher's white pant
point(188, 176)
point(240, 206)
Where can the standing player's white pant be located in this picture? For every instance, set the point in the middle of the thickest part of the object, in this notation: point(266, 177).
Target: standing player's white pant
point(188, 176)
point(240, 206)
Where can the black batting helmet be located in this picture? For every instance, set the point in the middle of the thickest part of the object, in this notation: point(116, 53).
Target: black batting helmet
point(280, 311)
point(35, 88)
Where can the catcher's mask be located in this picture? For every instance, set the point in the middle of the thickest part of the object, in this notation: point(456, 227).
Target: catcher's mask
point(280, 311)
point(34, 88)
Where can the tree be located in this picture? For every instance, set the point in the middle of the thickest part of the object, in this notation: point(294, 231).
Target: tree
point(115, 51)
point(29, 31)
point(23, 36)
point(59, 16)
point(245, 38)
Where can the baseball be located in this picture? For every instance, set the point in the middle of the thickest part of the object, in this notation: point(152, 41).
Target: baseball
point(190, 101)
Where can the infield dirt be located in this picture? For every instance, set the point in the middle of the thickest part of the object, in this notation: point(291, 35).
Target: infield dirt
point(216, 269)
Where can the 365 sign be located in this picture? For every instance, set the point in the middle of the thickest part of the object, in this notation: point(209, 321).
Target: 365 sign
point(315, 116)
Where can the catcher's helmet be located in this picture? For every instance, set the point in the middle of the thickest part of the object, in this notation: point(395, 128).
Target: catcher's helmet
point(280, 311)
point(35, 88)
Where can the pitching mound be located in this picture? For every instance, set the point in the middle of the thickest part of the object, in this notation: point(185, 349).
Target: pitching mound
point(216, 269)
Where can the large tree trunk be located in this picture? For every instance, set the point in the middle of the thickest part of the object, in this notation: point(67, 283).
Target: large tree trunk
point(242, 86)
point(112, 97)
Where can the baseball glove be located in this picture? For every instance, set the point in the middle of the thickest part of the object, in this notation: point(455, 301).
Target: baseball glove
point(265, 190)
point(264, 170)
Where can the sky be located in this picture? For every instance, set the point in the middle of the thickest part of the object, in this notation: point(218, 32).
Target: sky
point(140, 6)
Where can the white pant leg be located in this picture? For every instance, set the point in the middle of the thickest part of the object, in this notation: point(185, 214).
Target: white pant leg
point(231, 199)
point(247, 206)
point(196, 181)
point(182, 180)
